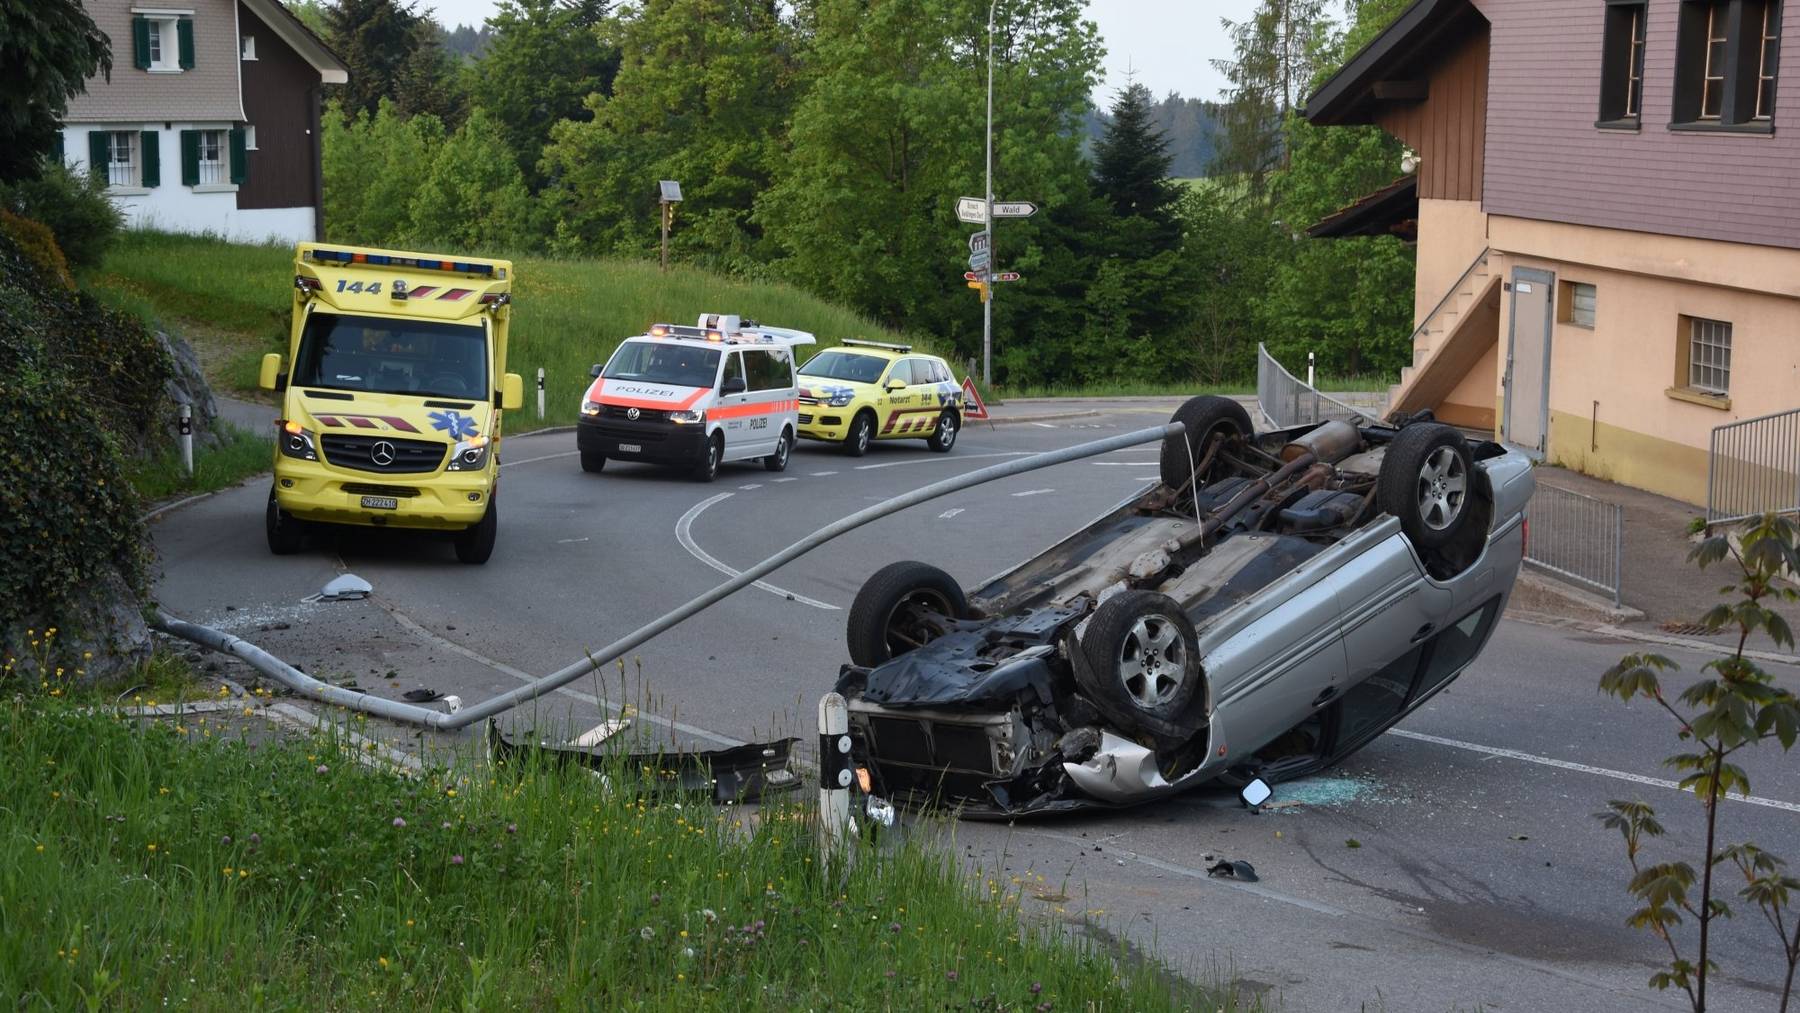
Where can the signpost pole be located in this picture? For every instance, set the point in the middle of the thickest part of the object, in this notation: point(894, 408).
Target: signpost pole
point(665, 236)
point(987, 307)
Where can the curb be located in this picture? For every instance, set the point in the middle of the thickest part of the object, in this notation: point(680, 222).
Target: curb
point(1580, 596)
point(1661, 639)
point(1022, 419)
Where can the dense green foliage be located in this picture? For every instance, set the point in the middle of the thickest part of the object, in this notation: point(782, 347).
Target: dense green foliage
point(74, 206)
point(824, 142)
point(1187, 124)
point(179, 862)
point(80, 388)
point(48, 49)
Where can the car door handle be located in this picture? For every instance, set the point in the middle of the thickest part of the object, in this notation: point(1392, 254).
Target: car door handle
point(1424, 631)
point(1324, 696)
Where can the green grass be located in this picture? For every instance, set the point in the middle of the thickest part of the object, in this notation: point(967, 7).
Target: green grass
point(156, 866)
point(567, 315)
point(240, 455)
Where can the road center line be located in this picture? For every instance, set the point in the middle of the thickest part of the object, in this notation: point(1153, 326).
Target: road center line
point(684, 533)
point(546, 457)
point(943, 458)
point(1032, 492)
point(1513, 754)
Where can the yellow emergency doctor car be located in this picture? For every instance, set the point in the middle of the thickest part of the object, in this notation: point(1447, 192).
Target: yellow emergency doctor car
point(391, 410)
point(868, 390)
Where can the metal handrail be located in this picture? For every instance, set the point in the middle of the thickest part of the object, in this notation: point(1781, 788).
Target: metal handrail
point(1425, 321)
point(1753, 467)
point(1265, 360)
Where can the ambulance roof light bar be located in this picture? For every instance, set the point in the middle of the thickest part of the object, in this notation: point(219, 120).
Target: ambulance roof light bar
point(860, 343)
point(389, 260)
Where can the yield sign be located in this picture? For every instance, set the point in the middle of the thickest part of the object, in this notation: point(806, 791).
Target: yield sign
point(973, 407)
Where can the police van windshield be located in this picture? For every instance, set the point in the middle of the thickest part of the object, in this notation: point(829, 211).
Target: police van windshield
point(834, 364)
point(386, 356)
point(662, 362)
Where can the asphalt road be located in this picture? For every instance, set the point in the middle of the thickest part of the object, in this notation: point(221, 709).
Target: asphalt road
point(1477, 877)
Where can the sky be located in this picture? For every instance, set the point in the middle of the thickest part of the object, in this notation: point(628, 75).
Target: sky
point(1168, 45)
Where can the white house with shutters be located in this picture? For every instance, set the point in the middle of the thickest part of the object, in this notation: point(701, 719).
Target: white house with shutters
point(209, 122)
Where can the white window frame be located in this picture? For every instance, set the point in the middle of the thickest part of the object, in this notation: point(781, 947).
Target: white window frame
point(127, 175)
point(215, 171)
point(247, 47)
point(165, 45)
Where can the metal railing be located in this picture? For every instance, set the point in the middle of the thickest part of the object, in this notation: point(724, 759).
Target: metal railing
point(1578, 538)
point(1286, 401)
point(1753, 468)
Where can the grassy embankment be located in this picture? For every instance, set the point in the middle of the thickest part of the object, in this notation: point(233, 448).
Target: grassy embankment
point(145, 867)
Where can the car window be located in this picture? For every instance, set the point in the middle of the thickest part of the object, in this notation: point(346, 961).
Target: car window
point(835, 364)
point(734, 368)
point(768, 370)
point(345, 352)
point(1371, 704)
point(659, 362)
point(907, 369)
point(940, 373)
point(1453, 649)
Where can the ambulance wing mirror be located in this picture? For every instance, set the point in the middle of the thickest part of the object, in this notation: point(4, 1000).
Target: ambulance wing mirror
point(896, 383)
point(512, 392)
point(271, 377)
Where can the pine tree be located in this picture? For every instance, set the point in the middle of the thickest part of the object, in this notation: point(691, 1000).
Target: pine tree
point(1131, 170)
point(1276, 57)
point(391, 51)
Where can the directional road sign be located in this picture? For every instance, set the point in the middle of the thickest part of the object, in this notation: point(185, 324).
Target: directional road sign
point(1005, 276)
point(979, 242)
point(1014, 209)
point(972, 210)
point(980, 261)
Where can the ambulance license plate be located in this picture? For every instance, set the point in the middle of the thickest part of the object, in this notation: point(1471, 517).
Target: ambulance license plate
point(631, 448)
point(380, 503)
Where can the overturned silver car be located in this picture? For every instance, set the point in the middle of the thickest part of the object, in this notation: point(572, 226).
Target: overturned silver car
point(1272, 605)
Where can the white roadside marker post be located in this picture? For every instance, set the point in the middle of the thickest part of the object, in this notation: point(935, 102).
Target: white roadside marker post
point(835, 775)
point(184, 427)
point(540, 393)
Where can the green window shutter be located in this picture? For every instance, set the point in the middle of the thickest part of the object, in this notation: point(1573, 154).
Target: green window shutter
point(98, 155)
point(239, 158)
point(184, 32)
point(148, 146)
point(190, 158)
point(140, 43)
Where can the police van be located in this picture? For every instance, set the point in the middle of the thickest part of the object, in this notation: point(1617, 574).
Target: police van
point(695, 397)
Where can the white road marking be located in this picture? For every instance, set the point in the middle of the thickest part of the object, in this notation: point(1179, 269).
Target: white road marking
point(1118, 464)
point(939, 459)
point(566, 541)
point(946, 515)
point(1032, 492)
point(1043, 425)
point(546, 457)
point(684, 533)
point(752, 485)
point(1513, 754)
point(1148, 478)
point(820, 474)
point(784, 480)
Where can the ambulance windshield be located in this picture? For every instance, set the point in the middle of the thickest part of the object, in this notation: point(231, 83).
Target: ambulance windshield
point(388, 356)
point(833, 364)
point(664, 362)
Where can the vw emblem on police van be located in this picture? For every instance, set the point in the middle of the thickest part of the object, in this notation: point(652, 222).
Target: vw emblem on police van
point(632, 414)
point(382, 453)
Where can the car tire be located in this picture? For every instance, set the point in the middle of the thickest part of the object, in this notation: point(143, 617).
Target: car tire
point(885, 618)
point(778, 461)
point(475, 543)
point(862, 433)
point(1428, 481)
point(1203, 416)
point(943, 435)
point(285, 532)
point(1143, 659)
point(708, 468)
point(593, 462)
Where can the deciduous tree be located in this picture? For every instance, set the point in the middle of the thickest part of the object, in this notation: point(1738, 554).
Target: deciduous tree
point(49, 49)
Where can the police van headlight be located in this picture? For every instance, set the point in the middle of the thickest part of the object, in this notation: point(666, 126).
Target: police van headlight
point(297, 442)
point(590, 407)
point(469, 455)
point(688, 416)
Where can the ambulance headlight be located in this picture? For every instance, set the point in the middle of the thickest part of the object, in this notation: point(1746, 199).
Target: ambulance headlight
point(688, 416)
point(590, 407)
point(837, 397)
point(296, 442)
point(469, 455)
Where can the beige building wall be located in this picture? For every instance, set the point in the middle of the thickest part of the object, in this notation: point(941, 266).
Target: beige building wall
point(1617, 410)
point(209, 91)
point(1451, 234)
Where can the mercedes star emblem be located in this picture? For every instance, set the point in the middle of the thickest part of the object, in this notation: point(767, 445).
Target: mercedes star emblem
point(382, 453)
point(632, 413)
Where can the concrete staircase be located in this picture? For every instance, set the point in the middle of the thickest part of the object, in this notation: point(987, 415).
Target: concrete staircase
point(1442, 340)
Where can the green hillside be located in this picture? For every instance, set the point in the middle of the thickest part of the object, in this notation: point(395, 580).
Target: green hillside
point(232, 301)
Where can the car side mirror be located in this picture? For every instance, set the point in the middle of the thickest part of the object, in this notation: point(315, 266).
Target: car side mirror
point(1256, 793)
point(270, 376)
point(733, 385)
point(512, 392)
point(896, 384)
point(595, 371)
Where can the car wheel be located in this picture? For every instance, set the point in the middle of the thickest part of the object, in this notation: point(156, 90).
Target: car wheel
point(592, 462)
point(902, 606)
point(476, 543)
point(1428, 481)
point(943, 437)
point(285, 532)
point(862, 433)
point(1204, 418)
point(708, 468)
point(1143, 658)
point(778, 461)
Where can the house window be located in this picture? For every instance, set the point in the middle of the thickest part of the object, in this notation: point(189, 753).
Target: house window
point(1576, 304)
point(121, 158)
point(158, 51)
point(1709, 355)
point(1726, 63)
point(212, 157)
point(247, 48)
point(1622, 60)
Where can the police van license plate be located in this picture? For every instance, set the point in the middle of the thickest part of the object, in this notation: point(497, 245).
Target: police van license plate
point(631, 448)
point(380, 503)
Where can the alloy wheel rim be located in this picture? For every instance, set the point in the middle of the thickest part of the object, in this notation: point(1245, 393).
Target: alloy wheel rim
point(1443, 488)
point(1152, 661)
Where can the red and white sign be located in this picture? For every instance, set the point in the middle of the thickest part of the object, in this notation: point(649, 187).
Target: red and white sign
point(973, 407)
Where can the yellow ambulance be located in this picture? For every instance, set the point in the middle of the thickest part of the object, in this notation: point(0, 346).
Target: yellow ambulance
point(392, 394)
